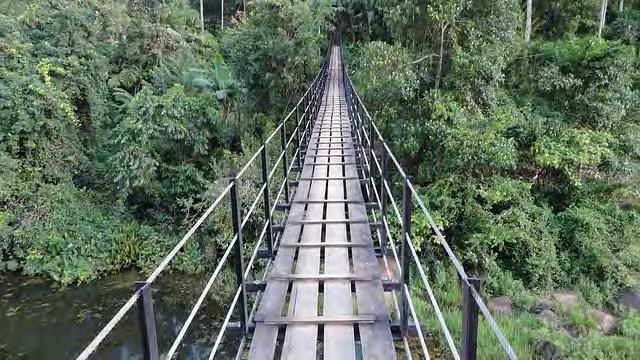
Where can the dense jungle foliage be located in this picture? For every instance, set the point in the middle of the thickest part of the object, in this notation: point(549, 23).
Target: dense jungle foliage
point(527, 152)
point(121, 120)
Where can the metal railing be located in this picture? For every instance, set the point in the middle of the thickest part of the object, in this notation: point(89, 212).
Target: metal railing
point(377, 164)
point(374, 161)
point(303, 114)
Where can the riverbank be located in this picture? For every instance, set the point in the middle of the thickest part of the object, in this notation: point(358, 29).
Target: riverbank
point(42, 320)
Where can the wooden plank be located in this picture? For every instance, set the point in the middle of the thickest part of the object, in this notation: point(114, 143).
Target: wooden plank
point(339, 339)
point(322, 191)
point(301, 339)
point(323, 277)
point(377, 341)
point(265, 336)
point(329, 221)
point(342, 201)
point(324, 244)
point(343, 321)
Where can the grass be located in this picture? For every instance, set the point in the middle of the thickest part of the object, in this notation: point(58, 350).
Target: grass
point(529, 336)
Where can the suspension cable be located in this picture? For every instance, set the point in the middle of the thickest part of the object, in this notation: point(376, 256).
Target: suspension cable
point(456, 263)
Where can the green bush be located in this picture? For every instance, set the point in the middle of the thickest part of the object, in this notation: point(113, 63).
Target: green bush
point(523, 151)
point(591, 249)
point(630, 325)
point(277, 50)
point(119, 121)
point(70, 237)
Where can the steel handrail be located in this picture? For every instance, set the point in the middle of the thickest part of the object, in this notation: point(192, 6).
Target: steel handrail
point(397, 261)
point(105, 331)
point(414, 195)
point(132, 300)
point(203, 295)
point(246, 274)
point(249, 266)
point(205, 291)
point(394, 252)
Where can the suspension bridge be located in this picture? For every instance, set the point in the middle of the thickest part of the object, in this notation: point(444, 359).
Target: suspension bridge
point(337, 245)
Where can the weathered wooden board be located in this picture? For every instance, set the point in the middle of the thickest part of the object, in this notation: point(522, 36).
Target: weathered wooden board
point(377, 341)
point(327, 201)
point(301, 339)
point(340, 339)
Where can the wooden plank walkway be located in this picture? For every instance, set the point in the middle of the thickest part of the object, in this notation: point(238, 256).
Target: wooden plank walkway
point(326, 245)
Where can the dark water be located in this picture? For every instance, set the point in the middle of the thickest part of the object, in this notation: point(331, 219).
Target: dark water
point(41, 320)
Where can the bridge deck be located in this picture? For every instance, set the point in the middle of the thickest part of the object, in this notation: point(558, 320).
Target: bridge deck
point(326, 248)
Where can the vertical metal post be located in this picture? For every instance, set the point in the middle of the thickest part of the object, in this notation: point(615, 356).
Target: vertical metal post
point(147, 321)
point(469, 320)
point(312, 115)
point(303, 118)
point(299, 147)
point(298, 114)
point(285, 165)
point(307, 112)
point(267, 198)
point(371, 154)
point(384, 177)
point(318, 99)
point(357, 119)
point(314, 101)
point(404, 251)
point(236, 216)
point(372, 144)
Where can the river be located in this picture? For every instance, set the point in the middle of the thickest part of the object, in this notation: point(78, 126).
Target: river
point(41, 320)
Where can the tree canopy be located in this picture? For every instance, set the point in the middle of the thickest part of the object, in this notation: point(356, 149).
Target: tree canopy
point(527, 151)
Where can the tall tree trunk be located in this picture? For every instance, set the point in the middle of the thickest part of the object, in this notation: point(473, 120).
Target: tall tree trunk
point(621, 6)
point(527, 27)
point(222, 14)
point(202, 15)
point(443, 29)
point(603, 14)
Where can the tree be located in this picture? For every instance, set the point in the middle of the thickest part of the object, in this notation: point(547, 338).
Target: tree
point(528, 147)
point(445, 13)
point(202, 15)
point(527, 28)
point(276, 50)
point(603, 15)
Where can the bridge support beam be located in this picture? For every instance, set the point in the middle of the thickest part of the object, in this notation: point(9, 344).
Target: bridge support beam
point(469, 320)
point(267, 198)
point(285, 163)
point(396, 331)
point(384, 176)
point(146, 318)
point(237, 229)
point(404, 253)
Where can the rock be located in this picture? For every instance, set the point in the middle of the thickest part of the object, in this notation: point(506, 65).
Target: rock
point(629, 204)
point(606, 321)
point(13, 265)
point(550, 318)
point(501, 305)
point(541, 305)
point(546, 350)
point(567, 300)
point(630, 299)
